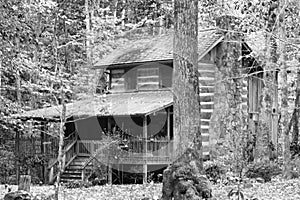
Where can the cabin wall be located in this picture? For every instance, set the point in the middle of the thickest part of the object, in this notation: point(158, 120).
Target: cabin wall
point(210, 100)
point(214, 102)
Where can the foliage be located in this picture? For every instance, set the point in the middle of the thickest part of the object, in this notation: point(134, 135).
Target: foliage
point(263, 170)
point(6, 165)
point(77, 184)
point(277, 189)
point(214, 170)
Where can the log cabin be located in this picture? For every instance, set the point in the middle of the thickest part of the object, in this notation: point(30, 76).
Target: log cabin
point(137, 110)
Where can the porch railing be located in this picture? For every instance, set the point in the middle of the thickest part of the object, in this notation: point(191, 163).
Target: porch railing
point(135, 148)
point(157, 151)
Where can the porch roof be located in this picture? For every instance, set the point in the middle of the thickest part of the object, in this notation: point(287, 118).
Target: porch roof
point(119, 104)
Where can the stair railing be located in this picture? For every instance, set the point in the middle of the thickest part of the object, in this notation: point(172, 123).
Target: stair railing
point(85, 173)
point(69, 154)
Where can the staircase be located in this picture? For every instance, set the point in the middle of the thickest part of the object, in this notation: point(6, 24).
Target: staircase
point(207, 87)
point(74, 170)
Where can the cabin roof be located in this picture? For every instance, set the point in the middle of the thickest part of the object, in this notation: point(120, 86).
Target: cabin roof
point(119, 104)
point(156, 48)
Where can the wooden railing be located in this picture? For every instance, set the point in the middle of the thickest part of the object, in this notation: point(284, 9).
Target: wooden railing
point(69, 154)
point(134, 150)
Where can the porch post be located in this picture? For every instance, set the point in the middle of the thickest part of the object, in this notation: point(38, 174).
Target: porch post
point(145, 151)
point(109, 124)
point(168, 132)
point(17, 154)
point(43, 151)
point(168, 124)
point(109, 173)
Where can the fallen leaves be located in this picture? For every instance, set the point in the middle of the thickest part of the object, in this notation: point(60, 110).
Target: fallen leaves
point(277, 189)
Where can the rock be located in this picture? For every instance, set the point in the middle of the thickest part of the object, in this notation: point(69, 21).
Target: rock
point(18, 195)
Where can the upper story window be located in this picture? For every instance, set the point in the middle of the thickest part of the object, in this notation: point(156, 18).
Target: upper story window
point(144, 77)
point(117, 80)
point(147, 78)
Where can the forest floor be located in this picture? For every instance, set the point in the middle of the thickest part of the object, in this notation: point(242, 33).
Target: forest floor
point(277, 189)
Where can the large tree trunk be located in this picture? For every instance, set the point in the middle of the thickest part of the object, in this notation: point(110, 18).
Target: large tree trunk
point(284, 96)
point(268, 121)
point(230, 65)
point(182, 179)
point(295, 134)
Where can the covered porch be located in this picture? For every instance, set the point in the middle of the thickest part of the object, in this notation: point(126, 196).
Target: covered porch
point(114, 129)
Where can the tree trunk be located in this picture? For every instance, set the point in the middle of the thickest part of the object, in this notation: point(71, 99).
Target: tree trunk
point(182, 179)
point(267, 125)
point(230, 65)
point(24, 184)
point(60, 148)
point(284, 96)
point(88, 33)
point(0, 74)
point(123, 15)
point(295, 135)
point(185, 82)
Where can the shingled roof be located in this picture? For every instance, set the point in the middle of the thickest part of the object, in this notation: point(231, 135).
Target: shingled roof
point(157, 48)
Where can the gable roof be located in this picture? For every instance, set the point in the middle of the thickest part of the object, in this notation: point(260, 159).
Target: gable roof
point(119, 104)
point(157, 48)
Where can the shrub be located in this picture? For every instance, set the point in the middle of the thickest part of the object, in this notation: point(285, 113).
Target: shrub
point(7, 166)
point(263, 170)
point(77, 184)
point(214, 170)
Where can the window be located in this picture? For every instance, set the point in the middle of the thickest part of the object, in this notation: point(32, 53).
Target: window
point(255, 85)
point(117, 80)
point(148, 78)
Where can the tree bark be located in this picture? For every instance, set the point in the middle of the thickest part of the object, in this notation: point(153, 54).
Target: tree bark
point(0, 74)
point(25, 181)
point(185, 82)
point(182, 179)
point(267, 126)
point(88, 33)
point(295, 134)
point(284, 95)
point(230, 65)
point(60, 148)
